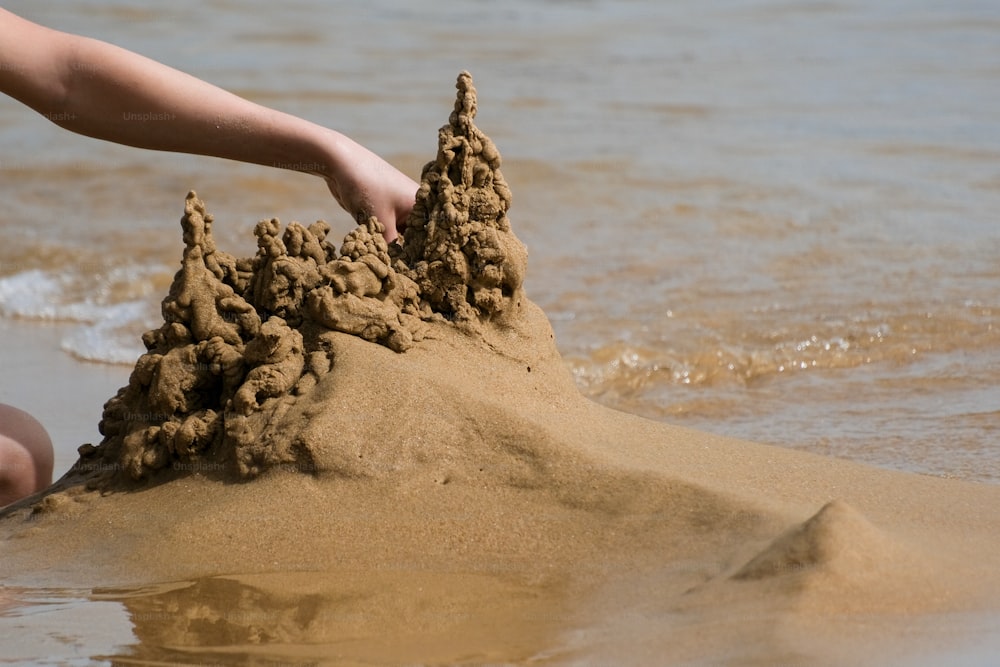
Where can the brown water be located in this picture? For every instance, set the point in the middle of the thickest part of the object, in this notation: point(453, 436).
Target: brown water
point(770, 220)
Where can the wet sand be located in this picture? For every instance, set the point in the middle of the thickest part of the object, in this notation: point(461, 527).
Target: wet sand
point(380, 456)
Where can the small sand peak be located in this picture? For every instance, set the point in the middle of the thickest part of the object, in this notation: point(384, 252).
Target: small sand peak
point(466, 103)
point(836, 533)
point(366, 239)
point(202, 298)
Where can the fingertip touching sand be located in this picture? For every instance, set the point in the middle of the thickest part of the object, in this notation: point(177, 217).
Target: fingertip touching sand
point(396, 421)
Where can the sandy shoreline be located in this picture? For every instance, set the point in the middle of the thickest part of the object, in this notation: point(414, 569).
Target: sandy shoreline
point(381, 457)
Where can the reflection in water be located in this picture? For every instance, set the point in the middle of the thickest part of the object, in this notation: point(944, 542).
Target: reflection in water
point(59, 626)
point(358, 617)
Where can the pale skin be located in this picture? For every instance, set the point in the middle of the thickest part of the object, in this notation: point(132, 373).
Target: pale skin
point(25, 455)
point(103, 91)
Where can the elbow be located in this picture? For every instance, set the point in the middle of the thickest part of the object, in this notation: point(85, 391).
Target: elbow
point(57, 101)
point(39, 69)
point(52, 84)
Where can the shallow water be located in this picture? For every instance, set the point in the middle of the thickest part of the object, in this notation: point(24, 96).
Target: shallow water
point(770, 220)
point(289, 619)
point(300, 618)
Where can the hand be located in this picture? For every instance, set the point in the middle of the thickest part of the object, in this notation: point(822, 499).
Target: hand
point(366, 185)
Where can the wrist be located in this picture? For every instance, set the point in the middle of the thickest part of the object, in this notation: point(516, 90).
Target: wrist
point(335, 150)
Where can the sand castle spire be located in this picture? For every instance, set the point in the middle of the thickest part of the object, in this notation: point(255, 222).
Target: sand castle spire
point(459, 247)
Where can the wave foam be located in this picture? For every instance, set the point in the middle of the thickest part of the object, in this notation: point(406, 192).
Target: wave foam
point(112, 309)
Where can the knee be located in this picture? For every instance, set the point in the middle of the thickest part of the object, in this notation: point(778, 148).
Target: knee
point(17, 471)
point(26, 456)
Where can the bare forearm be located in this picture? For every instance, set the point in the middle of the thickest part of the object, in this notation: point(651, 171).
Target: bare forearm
point(123, 97)
point(103, 91)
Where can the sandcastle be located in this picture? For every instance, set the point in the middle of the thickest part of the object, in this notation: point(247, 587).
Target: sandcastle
point(244, 339)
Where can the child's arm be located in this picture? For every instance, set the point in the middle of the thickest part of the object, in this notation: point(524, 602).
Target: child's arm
point(103, 91)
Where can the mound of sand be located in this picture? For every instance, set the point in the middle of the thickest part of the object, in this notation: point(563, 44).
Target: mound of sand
point(245, 340)
point(378, 453)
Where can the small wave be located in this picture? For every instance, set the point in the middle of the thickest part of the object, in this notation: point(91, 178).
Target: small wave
point(626, 368)
point(112, 338)
point(735, 356)
point(112, 309)
point(33, 295)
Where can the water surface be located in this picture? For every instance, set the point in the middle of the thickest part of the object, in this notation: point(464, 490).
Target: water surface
point(770, 220)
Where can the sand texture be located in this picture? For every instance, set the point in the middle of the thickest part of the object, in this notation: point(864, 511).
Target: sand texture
point(380, 451)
